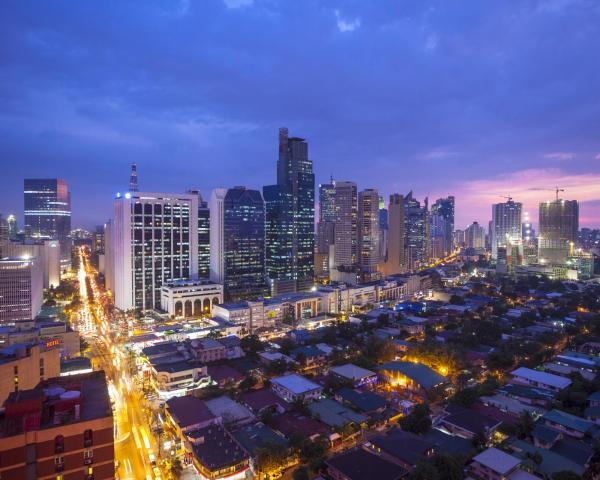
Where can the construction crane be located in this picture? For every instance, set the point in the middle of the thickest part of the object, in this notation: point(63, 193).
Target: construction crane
point(504, 196)
point(558, 190)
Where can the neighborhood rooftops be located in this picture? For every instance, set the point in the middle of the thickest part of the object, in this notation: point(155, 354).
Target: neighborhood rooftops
point(417, 372)
point(352, 372)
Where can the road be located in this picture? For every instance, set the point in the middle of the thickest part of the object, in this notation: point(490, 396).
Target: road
point(134, 445)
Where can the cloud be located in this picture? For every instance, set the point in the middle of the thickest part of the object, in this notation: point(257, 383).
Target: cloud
point(597, 157)
point(344, 25)
point(237, 3)
point(559, 156)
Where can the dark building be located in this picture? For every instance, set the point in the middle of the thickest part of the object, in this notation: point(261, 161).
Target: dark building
point(203, 236)
point(558, 228)
point(244, 243)
point(48, 212)
point(443, 212)
point(416, 230)
point(326, 226)
point(290, 212)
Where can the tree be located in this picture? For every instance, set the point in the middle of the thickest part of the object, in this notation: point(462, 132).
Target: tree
point(456, 300)
point(565, 475)
point(525, 425)
point(301, 473)
point(270, 457)
point(175, 467)
point(417, 421)
point(247, 383)
point(251, 345)
point(425, 471)
point(448, 467)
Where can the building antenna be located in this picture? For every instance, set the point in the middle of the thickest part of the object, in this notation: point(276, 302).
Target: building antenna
point(133, 180)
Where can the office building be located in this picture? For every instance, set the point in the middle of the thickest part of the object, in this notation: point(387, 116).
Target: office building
point(47, 253)
point(416, 221)
point(383, 230)
point(108, 263)
point(203, 236)
point(4, 231)
point(443, 209)
point(290, 217)
point(12, 227)
point(395, 262)
point(48, 213)
point(237, 242)
point(326, 225)
point(438, 241)
point(154, 240)
point(558, 229)
point(21, 289)
point(475, 236)
point(346, 225)
point(505, 225)
point(368, 233)
point(60, 429)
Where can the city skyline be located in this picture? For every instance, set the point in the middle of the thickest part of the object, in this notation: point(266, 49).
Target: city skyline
point(442, 103)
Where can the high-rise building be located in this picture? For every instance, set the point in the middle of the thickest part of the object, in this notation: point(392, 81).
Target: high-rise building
point(154, 240)
point(368, 232)
point(12, 227)
point(416, 221)
point(109, 262)
point(326, 225)
point(203, 236)
point(506, 225)
point(290, 216)
point(346, 225)
point(133, 179)
point(383, 230)
point(48, 213)
point(4, 231)
point(47, 253)
point(475, 236)
point(558, 227)
point(21, 289)
point(443, 208)
point(237, 242)
point(395, 261)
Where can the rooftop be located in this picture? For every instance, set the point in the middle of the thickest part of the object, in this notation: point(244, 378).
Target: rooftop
point(215, 448)
point(352, 372)
point(296, 384)
point(567, 420)
point(542, 377)
point(255, 437)
point(359, 464)
point(417, 372)
point(188, 411)
point(497, 460)
point(334, 414)
point(363, 401)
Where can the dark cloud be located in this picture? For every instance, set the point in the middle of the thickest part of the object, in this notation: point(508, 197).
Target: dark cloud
point(428, 95)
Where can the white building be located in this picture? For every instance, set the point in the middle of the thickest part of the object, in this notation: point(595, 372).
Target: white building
point(21, 289)
point(47, 251)
point(190, 298)
point(154, 241)
point(535, 378)
point(506, 225)
point(346, 224)
point(217, 247)
point(294, 387)
point(368, 231)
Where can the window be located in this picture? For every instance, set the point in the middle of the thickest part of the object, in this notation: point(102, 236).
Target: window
point(59, 444)
point(88, 438)
point(88, 454)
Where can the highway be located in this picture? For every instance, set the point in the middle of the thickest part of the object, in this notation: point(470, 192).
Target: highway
point(134, 445)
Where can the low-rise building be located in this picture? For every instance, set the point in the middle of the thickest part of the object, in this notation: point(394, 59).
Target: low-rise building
point(175, 379)
point(360, 463)
point(494, 464)
point(43, 331)
point(535, 378)
point(294, 387)
point(207, 350)
point(62, 428)
point(190, 298)
point(355, 375)
point(411, 375)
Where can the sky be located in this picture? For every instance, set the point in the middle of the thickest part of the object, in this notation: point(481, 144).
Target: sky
point(479, 98)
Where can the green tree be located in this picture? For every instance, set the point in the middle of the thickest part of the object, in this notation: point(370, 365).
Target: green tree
point(565, 475)
point(425, 471)
point(449, 467)
point(301, 473)
point(418, 421)
point(525, 425)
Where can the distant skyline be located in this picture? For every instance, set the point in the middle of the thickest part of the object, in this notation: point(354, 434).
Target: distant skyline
point(475, 100)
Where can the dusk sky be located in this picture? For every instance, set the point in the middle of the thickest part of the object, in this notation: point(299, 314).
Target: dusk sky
point(472, 98)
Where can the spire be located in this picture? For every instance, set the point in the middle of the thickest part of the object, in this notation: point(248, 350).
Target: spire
point(133, 182)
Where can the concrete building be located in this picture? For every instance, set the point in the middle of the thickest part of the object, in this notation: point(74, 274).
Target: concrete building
point(416, 232)
point(346, 225)
point(558, 230)
point(61, 429)
point(395, 262)
point(506, 225)
point(368, 233)
point(295, 387)
point(154, 241)
point(475, 236)
point(47, 252)
point(21, 289)
point(23, 366)
point(44, 332)
point(190, 298)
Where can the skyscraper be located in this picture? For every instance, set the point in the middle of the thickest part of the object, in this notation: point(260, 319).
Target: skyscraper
point(290, 216)
point(346, 225)
point(237, 234)
point(4, 231)
point(48, 213)
point(133, 179)
point(154, 239)
point(558, 229)
point(368, 232)
point(506, 225)
point(203, 236)
point(416, 221)
point(395, 261)
point(326, 225)
point(443, 208)
point(475, 236)
point(21, 289)
point(383, 230)
point(12, 226)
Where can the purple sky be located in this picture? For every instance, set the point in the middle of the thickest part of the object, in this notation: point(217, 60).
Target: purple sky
point(475, 98)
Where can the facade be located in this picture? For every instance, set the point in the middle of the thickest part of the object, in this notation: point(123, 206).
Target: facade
point(44, 332)
point(24, 365)
point(506, 225)
point(109, 263)
point(443, 210)
point(61, 429)
point(558, 230)
point(290, 218)
point(326, 225)
point(535, 378)
point(237, 234)
point(21, 289)
point(154, 241)
point(416, 231)
point(395, 262)
point(203, 236)
point(47, 253)
point(190, 298)
point(346, 225)
point(48, 212)
point(368, 232)
point(475, 236)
